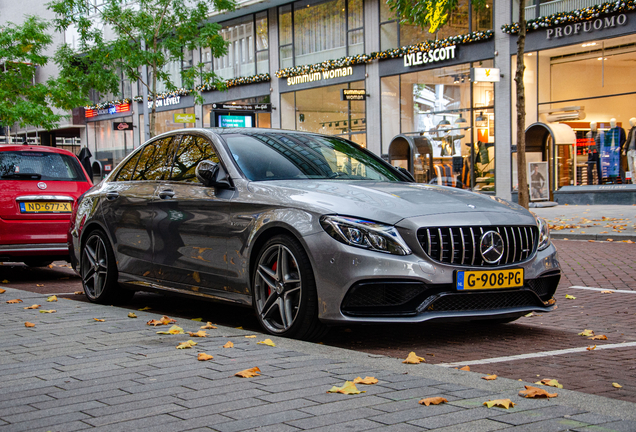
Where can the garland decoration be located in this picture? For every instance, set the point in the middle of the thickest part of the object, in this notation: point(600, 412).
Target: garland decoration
point(236, 82)
point(585, 14)
point(325, 66)
point(106, 105)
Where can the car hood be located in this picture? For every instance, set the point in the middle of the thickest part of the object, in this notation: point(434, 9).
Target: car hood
point(387, 202)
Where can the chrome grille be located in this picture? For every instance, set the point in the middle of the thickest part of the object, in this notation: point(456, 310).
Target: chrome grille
point(460, 245)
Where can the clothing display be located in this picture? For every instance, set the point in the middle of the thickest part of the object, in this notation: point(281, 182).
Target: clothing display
point(610, 153)
point(593, 159)
point(630, 152)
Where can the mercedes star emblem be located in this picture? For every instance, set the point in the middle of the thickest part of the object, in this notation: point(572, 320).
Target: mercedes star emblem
point(491, 247)
point(42, 185)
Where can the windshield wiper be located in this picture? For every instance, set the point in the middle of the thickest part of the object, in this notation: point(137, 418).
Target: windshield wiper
point(32, 176)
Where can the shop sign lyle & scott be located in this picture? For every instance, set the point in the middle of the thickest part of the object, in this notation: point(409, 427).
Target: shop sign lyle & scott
point(431, 56)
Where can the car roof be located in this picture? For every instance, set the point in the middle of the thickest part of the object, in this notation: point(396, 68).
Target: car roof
point(38, 148)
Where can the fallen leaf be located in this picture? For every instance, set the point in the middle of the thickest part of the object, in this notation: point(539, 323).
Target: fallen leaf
point(229, 344)
point(550, 382)
point(570, 297)
point(248, 373)
point(413, 358)
point(2, 291)
point(607, 292)
point(196, 277)
point(78, 292)
point(188, 344)
point(32, 307)
point(489, 377)
point(529, 315)
point(197, 319)
point(14, 301)
point(591, 348)
point(132, 315)
point(51, 298)
point(172, 331)
point(502, 403)
point(250, 337)
point(29, 324)
point(99, 319)
point(347, 388)
point(598, 337)
point(204, 357)
point(146, 273)
point(617, 385)
point(208, 326)
point(432, 401)
point(587, 332)
point(610, 240)
point(267, 342)
point(367, 380)
point(200, 333)
point(535, 392)
point(145, 308)
point(465, 368)
point(239, 328)
point(48, 311)
point(5, 281)
point(165, 320)
point(39, 285)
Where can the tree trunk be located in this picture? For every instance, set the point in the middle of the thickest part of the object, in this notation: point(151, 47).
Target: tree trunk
point(522, 175)
point(153, 113)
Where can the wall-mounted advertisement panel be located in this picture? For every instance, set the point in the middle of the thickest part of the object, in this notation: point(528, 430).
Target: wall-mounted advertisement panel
point(228, 119)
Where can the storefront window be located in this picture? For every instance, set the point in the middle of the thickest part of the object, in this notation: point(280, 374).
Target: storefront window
point(434, 106)
point(321, 110)
point(316, 33)
point(108, 145)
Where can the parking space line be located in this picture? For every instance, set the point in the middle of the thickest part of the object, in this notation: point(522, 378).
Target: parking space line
point(536, 355)
point(604, 289)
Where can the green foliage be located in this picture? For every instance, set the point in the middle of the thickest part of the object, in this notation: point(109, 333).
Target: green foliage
point(165, 27)
point(431, 14)
point(25, 101)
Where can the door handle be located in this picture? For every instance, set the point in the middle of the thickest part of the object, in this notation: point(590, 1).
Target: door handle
point(166, 194)
point(112, 195)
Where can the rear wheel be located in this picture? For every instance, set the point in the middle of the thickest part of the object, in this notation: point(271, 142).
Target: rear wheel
point(37, 263)
point(285, 296)
point(99, 271)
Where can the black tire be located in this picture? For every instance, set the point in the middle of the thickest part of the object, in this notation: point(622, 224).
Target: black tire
point(98, 271)
point(284, 290)
point(37, 263)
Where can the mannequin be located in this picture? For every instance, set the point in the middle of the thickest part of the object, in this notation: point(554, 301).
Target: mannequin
point(610, 152)
point(629, 148)
point(593, 161)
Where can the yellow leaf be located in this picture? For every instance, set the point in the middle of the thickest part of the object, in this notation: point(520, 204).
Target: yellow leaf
point(248, 373)
point(165, 320)
point(240, 328)
point(250, 337)
point(591, 348)
point(432, 401)
point(267, 342)
point(132, 315)
point(529, 315)
point(48, 311)
point(570, 297)
point(197, 319)
point(200, 333)
point(196, 277)
point(550, 382)
point(535, 392)
point(367, 380)
point(465, 368)
point(145, 308)
point(502, 403)
point(229, 344)
point(32, 307)
point(607, 292)
point(39, 285)
point(347, 388)
point(172, 331)
point(598, 337)
point(2, 291)
point(208, 326)
point(5, 281)
point(489, 377)
point(204, 357)
point(587, 332)
point(51, 298)
point(78, 292)
point(188, 344)
point(413, 358)
point(15, 301)
point(617, 385)
point(99, 319)
point(29, 324)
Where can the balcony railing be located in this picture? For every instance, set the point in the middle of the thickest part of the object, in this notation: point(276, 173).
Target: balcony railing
point(557, 6)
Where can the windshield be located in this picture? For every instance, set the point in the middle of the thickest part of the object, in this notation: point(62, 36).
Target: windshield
point(289, 156)
point(33, 165)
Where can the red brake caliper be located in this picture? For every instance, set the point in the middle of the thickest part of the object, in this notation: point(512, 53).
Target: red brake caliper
point(274, 267)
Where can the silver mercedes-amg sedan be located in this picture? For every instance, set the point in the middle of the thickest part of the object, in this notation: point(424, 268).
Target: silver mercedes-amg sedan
point(310, 230)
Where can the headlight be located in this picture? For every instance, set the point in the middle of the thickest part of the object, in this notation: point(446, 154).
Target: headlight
point(544, 233)
point(365, 234)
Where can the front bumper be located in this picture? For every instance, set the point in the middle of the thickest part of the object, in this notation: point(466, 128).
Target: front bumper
point(356, 285)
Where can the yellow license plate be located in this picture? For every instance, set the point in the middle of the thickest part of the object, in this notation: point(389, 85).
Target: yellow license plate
point(46, 207)
point(489, 279)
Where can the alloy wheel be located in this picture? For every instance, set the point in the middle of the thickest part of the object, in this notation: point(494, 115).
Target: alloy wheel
point(94, 269)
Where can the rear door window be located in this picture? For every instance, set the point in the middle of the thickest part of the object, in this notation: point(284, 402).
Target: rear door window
point(192, 150)
point(155, 160)
point(34, 165)
point(126, 172)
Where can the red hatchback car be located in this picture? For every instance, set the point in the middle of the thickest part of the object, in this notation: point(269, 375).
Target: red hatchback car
point(39, 188)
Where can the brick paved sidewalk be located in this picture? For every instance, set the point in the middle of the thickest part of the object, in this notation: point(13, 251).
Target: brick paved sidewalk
point(71, 373)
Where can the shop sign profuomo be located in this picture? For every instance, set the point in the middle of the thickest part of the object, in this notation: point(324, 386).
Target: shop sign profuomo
point(602, 23)
point(432, 56)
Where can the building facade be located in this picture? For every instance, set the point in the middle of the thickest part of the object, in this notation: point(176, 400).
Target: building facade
point(439, 104)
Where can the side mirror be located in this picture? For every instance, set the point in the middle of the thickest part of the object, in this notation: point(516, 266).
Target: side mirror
point(212, 174)
point(407, 173)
